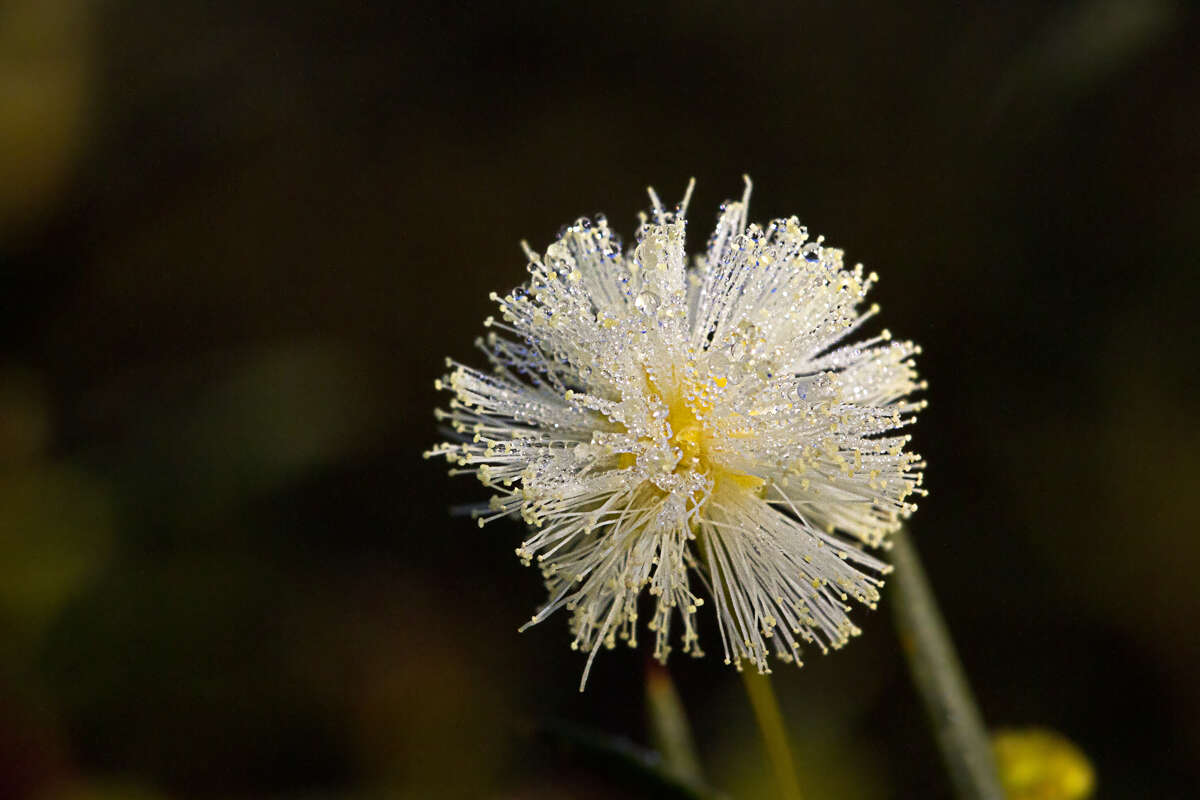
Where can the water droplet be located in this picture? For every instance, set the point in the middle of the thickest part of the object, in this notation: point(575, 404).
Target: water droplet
point(647, 301)
point(748, 331)
point(746, 338)
point(811, 251)
point(718, 364)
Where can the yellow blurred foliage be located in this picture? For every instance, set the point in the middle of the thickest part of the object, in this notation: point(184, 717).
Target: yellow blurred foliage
point(44, 78)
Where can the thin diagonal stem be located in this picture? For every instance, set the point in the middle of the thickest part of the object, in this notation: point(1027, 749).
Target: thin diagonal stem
point(670, 732)
point(770, 723)
point(939, 678)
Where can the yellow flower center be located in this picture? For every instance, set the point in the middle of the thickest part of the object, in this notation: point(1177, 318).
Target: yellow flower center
point(688, 408)
point(688, 436)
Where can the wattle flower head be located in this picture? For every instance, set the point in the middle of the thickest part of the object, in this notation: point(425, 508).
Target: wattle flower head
point(655, 423)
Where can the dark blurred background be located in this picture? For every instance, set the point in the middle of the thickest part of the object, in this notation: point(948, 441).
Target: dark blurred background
point(237, 240)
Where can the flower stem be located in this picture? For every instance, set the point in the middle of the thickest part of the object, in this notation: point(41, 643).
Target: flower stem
point(770, 723)
point(669, 729)
point(939, 678)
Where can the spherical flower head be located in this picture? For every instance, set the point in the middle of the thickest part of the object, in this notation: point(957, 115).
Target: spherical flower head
point(653, 423)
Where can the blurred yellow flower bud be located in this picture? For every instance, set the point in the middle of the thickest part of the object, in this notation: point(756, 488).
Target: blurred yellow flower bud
point(1039, 764)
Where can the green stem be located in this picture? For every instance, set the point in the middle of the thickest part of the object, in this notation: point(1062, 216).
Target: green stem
point(770, 723)
point(670, 733)
point(939, 678)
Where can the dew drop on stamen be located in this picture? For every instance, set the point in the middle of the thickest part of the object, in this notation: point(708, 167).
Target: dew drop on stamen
point(811, 251)
point(647, 302)
point(718, 363)
point(747, 340)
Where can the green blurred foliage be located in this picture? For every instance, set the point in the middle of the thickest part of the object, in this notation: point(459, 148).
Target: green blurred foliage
point(57, 534)
point(236, 241)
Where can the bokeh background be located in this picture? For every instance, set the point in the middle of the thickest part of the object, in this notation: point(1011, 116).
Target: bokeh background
point(237, 240)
